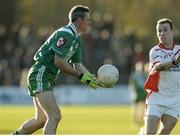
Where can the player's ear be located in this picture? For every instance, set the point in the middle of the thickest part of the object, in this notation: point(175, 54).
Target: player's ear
point(79, 20)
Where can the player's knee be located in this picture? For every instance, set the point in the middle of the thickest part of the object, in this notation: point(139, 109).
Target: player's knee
point(58, 117)
point(55, 117)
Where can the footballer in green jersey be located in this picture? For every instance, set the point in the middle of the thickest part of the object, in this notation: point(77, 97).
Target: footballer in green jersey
point(66, 43)
point(138, 93)
point(61, 48)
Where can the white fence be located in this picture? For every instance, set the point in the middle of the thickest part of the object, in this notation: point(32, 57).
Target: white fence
point(70, 94)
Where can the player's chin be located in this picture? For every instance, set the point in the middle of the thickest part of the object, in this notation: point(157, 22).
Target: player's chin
point(85, 31)
point(163, 41)
point(88, 29)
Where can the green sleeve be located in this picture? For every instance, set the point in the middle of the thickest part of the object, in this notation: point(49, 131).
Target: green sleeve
point(77, 57)
point(62, 44)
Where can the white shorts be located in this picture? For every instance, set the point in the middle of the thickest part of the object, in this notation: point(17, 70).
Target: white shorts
point(159, 110)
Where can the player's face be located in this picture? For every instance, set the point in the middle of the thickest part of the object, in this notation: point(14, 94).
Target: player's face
point(164, 33)
point(86, 22)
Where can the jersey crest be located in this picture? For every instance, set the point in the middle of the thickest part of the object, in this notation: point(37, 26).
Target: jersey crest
point(61, 42)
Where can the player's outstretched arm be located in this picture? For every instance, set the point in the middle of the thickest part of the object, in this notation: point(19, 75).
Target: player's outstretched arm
point(85, 78)
point(165, 65)
point(65, 66)
point(81, 68)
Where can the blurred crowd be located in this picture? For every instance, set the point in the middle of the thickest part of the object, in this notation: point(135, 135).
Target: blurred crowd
point(104, 44)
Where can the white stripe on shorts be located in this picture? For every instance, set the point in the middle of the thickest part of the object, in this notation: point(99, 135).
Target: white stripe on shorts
point(39, 78)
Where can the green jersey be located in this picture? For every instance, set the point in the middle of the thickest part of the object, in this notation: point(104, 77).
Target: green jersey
point(139, 79)
point(65, 42)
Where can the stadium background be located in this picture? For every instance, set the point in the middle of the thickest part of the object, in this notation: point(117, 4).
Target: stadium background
point(122, 33)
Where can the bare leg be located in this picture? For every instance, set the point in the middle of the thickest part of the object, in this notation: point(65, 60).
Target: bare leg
point(167, 124)
point(151, 125)
point(35, 123)
point(49, 104)
point(139, 113)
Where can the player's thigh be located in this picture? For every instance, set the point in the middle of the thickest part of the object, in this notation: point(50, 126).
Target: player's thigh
point(152, 117)
point(140, 105)
point(48, 101)
point(151, 124)
point(139, 108)
point(168, 122)
point(40, 113)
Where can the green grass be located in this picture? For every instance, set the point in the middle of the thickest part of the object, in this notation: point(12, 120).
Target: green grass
point(77, 119)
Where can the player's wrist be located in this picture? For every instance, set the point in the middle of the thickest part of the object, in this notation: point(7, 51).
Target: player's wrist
point(174, 62)
point(84, 78)
point(80, 76)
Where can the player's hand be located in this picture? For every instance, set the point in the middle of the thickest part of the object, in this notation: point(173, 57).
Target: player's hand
point(89, 80)
point(103, 85)
point(177, 59)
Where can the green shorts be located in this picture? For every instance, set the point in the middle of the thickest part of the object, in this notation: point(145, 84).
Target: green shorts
point(40, 79)
point(140, 95)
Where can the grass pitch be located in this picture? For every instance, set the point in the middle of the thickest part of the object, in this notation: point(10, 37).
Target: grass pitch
point(86, 119)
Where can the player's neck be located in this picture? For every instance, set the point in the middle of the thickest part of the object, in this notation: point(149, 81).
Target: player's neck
point(168, 45)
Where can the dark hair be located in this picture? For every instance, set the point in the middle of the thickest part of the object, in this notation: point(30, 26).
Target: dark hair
point(165, 20)
point(78, 11)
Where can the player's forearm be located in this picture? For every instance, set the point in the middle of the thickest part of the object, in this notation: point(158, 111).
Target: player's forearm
point(177, 60)
point(163, 66)
point(65, 67)
point(81, 68)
